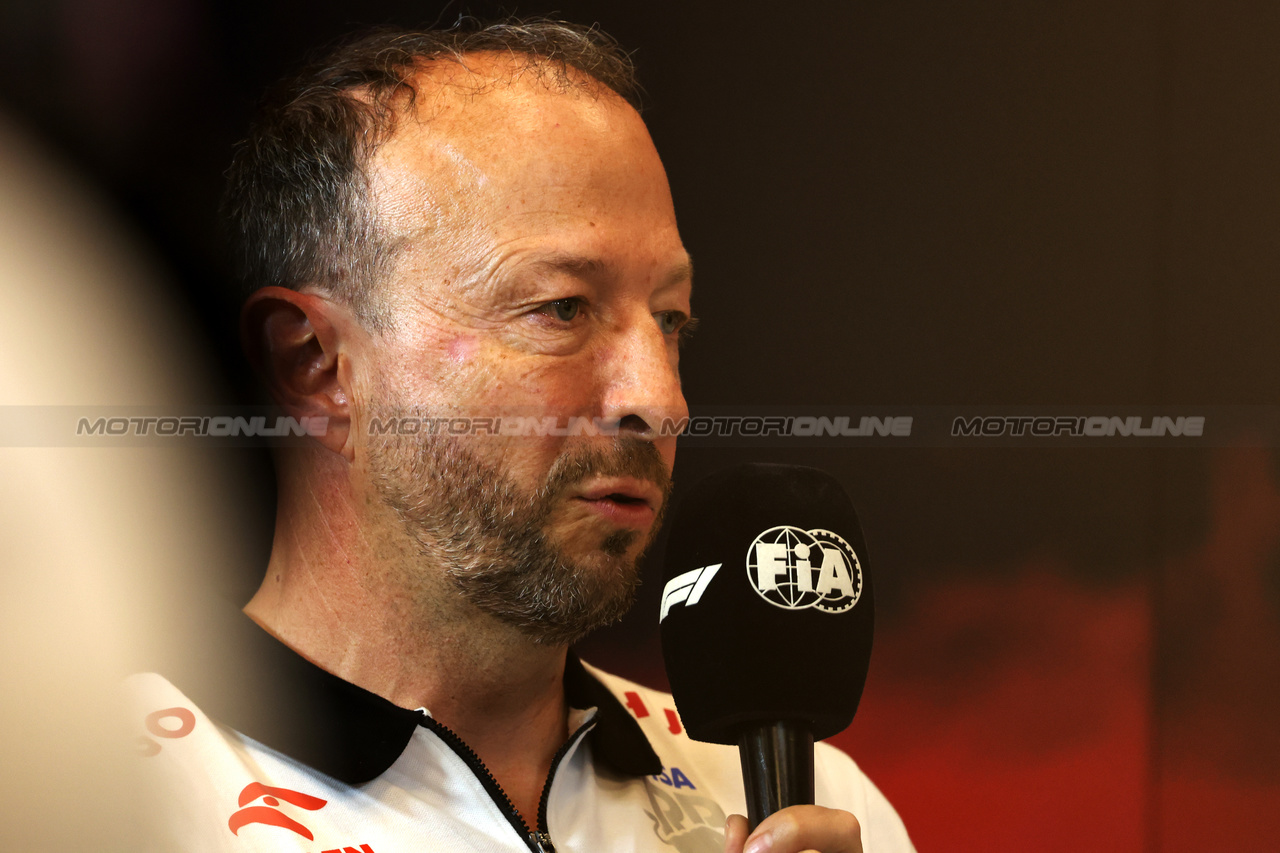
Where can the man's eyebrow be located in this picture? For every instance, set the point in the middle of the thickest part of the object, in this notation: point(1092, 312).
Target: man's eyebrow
point(681, 272)
point(578, 265)
point(585, 266)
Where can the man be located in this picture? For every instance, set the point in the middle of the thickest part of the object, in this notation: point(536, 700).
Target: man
point(449, 234)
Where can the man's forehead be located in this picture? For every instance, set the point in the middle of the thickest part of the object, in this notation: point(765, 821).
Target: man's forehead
point(480, 105)
point(496, 140)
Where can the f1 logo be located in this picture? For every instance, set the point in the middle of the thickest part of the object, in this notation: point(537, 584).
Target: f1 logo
point(686, 588)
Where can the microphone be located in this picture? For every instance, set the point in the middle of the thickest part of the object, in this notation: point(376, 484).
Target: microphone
point(766, 620)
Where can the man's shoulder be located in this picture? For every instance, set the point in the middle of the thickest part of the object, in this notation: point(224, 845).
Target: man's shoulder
point(640, 699)
point(192, 769)
point(179, 740)
point(655, 710)
point(838, 780)
point(161, 714)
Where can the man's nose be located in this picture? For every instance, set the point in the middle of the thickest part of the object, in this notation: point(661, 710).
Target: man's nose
point(641, 382)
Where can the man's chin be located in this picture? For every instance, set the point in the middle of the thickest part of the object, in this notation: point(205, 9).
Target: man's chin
point(622, 544)
point(568, 623)
point(596, 545)
point(562, 595)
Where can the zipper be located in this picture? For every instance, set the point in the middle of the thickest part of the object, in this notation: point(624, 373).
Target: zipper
point(551, 774)
point(539, 840)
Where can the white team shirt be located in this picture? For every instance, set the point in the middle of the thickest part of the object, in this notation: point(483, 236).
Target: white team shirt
point(387, 780)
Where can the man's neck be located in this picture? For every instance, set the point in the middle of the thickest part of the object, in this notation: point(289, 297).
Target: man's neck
point(333, 593)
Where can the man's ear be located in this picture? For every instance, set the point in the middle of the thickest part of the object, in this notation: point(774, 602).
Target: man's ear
point(295, 343)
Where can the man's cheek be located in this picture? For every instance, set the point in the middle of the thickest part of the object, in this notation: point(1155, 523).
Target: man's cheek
point(526, 455)
point(462, 349)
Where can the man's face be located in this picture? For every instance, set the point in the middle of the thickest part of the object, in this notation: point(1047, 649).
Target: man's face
point(542, 277)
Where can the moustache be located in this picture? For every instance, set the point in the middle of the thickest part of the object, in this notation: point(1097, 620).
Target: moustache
point(627, 457)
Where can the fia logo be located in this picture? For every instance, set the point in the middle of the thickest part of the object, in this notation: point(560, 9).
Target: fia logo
point(796, 569)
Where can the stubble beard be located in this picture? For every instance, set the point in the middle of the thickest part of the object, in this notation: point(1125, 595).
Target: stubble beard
point(493, 538)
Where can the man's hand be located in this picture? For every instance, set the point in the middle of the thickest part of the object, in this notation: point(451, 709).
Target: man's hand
point(798, 829)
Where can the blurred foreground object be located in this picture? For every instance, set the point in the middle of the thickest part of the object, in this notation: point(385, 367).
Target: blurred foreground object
point(92, 538)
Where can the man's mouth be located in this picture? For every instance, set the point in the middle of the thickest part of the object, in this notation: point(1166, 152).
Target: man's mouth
point(626, 502)
point(624, 499)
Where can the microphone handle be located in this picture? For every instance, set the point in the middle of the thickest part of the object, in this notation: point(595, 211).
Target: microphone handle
point(777, 767)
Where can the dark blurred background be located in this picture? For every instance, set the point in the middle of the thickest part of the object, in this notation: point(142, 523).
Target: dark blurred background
point(893, 204)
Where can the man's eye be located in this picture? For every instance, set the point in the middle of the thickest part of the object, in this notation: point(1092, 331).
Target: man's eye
point(564, 309)
point(669, 321)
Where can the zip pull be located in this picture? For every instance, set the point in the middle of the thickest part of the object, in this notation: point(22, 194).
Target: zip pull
point(542, 842)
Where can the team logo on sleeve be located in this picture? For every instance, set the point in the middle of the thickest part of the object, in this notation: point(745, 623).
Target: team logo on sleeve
point(688, 821)
point(267, 813)
point(796, 569)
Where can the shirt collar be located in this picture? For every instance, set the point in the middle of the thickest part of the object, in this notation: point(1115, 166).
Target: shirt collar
point(244, 678)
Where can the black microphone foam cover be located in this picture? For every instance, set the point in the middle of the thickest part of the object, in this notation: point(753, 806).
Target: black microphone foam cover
point(767, 611)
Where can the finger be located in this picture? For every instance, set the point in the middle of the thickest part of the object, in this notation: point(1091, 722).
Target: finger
point(802, 828)
point(735, 833)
